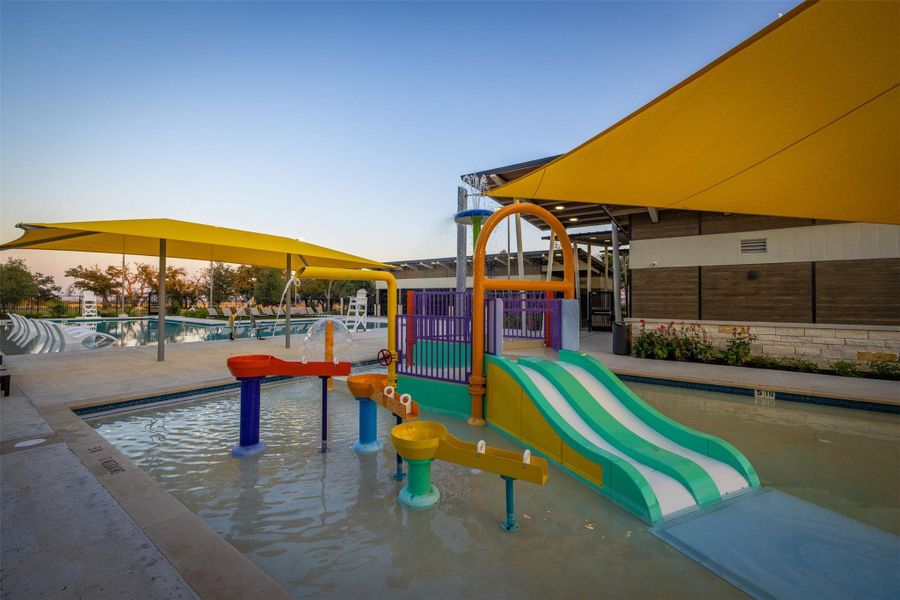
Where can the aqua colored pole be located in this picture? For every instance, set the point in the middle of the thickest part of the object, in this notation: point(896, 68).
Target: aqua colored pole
point(419, 492)
point(250, 400)
point(368, 428)
point(510, 524)
point(398, 474)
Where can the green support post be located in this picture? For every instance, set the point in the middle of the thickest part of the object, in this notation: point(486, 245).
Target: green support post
point(419, 492)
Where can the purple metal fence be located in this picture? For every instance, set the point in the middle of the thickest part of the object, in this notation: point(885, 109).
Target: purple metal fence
point(435, 347)
point(524, 312)
point(435, 341)
point(446, 304)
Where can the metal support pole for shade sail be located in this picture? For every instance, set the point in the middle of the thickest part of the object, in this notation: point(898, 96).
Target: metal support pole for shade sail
point(519, 250)
point(605, 267)
point(161, 313)
point(123, 284)
point(590, 267)
point(289, 304)
point(577, 280)
point(460, 245)
point(551, 255)
point(617, 284)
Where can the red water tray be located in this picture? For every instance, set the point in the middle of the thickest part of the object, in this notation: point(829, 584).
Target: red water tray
point(261, 365)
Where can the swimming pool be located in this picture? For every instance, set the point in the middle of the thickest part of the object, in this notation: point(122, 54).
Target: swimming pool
point(330, 525)
point(145, 331)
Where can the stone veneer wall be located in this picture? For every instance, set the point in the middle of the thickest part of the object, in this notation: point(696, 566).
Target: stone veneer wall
point(823, 344)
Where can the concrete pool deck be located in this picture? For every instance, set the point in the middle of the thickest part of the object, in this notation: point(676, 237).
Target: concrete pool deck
point(80, 520)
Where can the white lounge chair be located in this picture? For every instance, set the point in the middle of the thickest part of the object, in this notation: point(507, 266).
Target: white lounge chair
point(212, 313)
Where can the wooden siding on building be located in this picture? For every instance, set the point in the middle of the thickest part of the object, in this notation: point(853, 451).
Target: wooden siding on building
point(864, 292)
point(781, 292)
point(672, 223)
point(681, 223)
point(711, 223)
point(668, 293)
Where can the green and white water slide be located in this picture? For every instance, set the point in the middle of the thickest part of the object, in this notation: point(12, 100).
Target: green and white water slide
point(651, 464)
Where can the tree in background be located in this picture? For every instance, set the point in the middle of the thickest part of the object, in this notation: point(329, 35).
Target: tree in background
point(103, 282)
point(329, 293)
point(18, 283)
point(269, 285)
point(223, 278)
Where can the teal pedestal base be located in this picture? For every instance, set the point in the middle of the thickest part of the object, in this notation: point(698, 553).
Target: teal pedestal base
point(421, 501)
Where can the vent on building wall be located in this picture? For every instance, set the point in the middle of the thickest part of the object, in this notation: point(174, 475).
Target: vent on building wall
point(754, 246)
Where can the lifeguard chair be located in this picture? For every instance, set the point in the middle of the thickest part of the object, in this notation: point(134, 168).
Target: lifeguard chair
point(357, 311)
point(88, 304)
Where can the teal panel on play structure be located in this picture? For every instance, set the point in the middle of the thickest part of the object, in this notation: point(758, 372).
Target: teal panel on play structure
point(437, 396)
point(697, 441)
point(430, 353)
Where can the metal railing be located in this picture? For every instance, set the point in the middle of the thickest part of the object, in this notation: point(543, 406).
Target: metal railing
point(533, 319)
point(435, 341)
point(435, 347)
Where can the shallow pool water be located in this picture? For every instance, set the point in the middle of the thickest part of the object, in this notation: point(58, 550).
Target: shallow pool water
point(330, 526)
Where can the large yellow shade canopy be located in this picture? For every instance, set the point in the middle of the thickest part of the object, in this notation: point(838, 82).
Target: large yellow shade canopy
point(183, 240)
point(801, 120)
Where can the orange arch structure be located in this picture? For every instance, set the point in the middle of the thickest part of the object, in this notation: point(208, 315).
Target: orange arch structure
point(481, 283)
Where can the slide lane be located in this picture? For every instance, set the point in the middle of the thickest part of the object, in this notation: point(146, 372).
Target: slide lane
point(691, 476)
point(652, 466)
point(669, 494)
point(728, 467)
point(725, 477)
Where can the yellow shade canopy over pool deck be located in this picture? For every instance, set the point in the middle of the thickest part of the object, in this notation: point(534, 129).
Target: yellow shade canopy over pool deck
point(181, 239)
point(184, 240)
point(801, 120)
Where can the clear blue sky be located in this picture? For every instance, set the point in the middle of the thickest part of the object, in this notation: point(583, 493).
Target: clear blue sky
point(344, 124)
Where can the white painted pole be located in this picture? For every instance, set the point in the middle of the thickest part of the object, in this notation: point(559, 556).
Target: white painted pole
point(161, 318)
point(210, 303)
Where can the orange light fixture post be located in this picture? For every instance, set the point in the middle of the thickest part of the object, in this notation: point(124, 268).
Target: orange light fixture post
point(481, 283)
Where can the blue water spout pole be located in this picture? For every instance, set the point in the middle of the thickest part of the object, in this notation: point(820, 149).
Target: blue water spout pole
point(324, 414)
point(368, 428)
point(250, 398)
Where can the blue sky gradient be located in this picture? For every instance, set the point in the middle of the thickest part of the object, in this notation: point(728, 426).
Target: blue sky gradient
point(344, 124)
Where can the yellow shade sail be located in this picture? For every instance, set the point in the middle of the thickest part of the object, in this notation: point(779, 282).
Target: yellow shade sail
point(183, 240)
point(801, 120)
